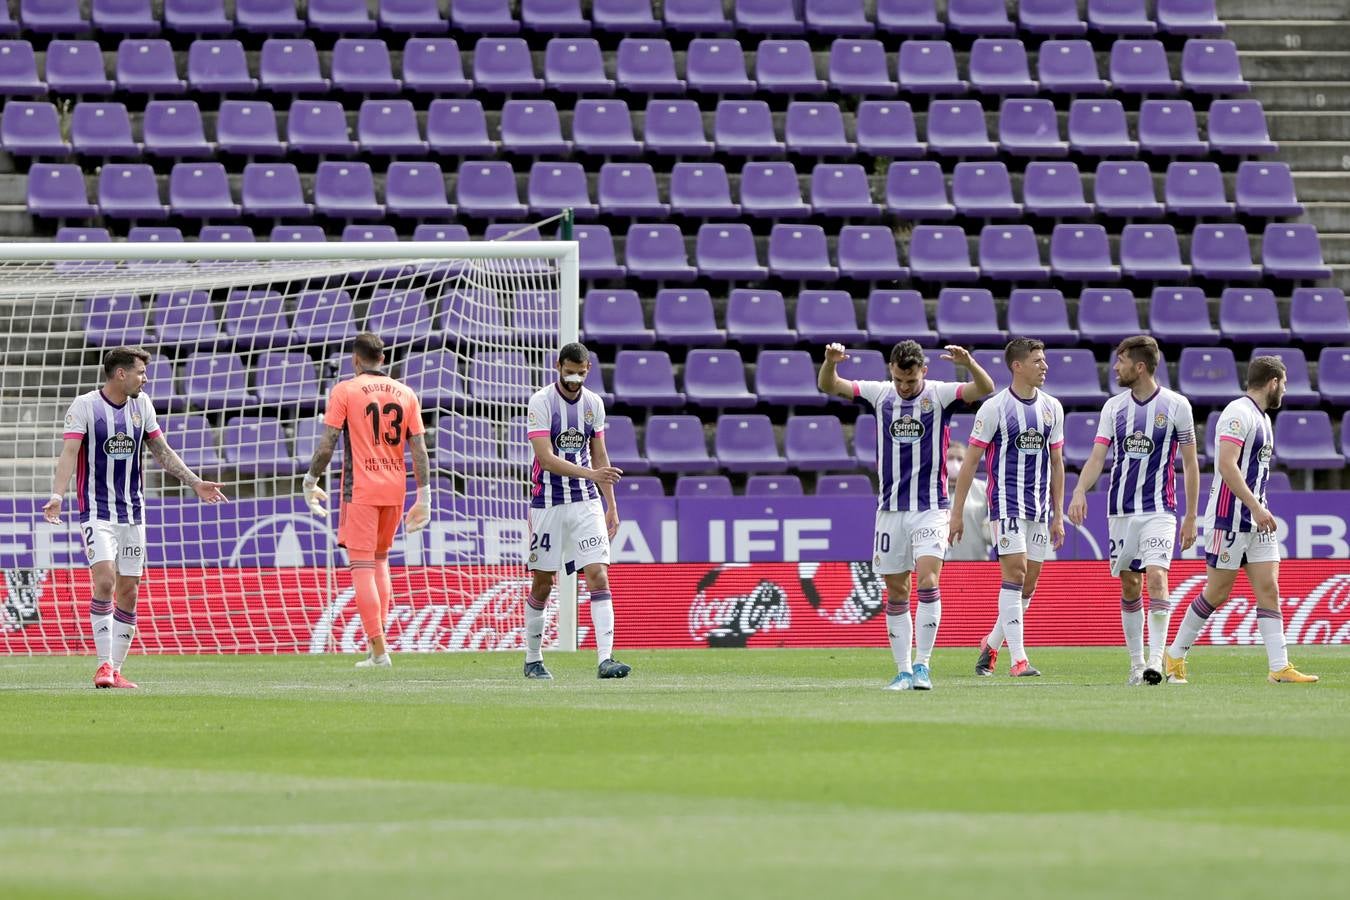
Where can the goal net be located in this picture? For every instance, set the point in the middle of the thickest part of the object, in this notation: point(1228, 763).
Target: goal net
point(246, 341)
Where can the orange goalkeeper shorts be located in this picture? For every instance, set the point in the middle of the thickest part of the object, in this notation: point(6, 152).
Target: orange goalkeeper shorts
point(362, 527)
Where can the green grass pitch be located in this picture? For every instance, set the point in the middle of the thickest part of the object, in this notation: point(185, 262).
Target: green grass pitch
point(706, 774)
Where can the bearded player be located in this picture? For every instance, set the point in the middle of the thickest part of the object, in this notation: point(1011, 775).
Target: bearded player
point(912, 508)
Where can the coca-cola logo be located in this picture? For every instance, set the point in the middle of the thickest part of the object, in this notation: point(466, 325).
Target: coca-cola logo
point(729, 607)
point(1320, 617)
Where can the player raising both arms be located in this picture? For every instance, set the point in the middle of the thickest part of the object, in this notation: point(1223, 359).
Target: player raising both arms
point(104, 433)
point(1240, 531)
point(378, 417)
point(568, 527)
point(1143, 426)
point(912, 509)
point(1021, 433)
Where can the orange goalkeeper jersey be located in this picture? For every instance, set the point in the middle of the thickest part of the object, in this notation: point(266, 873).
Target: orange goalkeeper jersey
point(377, 416)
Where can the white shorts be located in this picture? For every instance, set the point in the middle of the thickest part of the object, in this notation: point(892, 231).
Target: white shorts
point(1141, 540)
point(1021, 536)
point(571, 535)
point(120, 544)
point(902, 537)
point(1235, 549)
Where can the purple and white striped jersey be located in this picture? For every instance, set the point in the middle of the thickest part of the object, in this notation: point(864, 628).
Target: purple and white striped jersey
point(1017, 436)
point(108, 474)
point(1247, 425)
point(569, 425)
point(1144, 437)
point(911, 443)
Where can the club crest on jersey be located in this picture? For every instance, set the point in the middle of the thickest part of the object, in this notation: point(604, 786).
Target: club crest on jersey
point(1004, 543)
point(1031, 442)
point(907, 429)
point(1159, 420)
point(571, 440)
point(1224, 557)
point(1265, 453)
point(119, 446)
point(135, 420)
point(926, 405)
point(589, 418)
point(1138, 446)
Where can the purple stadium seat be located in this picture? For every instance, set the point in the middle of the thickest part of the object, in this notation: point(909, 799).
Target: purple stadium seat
point(604, 127)
point(940, 253)
point(1069, 67)
point(787, 378)
point(615, 317)
point(471, 315)
point(1306, 441)
point(309, 234)
point(319, 126)
point(675, 127)
point(555, 186)
point(1239, 126)
point(129, 191)
point(816, 443)
point(249, 128)
point(744, 128)
point(1097, 128)
point(273, 189)
point(463, 444)
point(340, 17)
point(844, 486)
point(194, 441)
point(57, 191)
point(124, 17)
point(32, 129)
point(267, 17)
point(799, 253)
point(696, 17)
point(1152, 252)
point(214, 382)
point(1080, 434)
point(786, 67)
point(860, 67)
point(999, 66)
point(554, 17)
point(257, 446)
point(983, 190)
point(488, 190)
point(19, 73)
point(685, 317)
point(621, 444)
point(1082, 253)
point(1333, 375)
point(201, 191)
point(1043, 313)
point(657, 252)
point(816, 129)
point(1030, 128)
point(929, 67)
point(989, 17)
point(773, 486)
point(363, 66)
point(102, 130)
point(1168, 128)
point(647, 66)
point(624, 16)
point(865, 440)
point(864, 365)
point(886, 128)
point(596, 246)
point(1180, 315)
point(575, 65)
point(364, 232)
point(1076, 382)
point(774, 17)
point(290, 66)
point(434, 66)
point(483, 16)
point(1266, 189)
point(1107, 316)
point(1140, 67)
point(1050, 17)
point(1212, 67)
point(256, 320)
point(504, 65)
point(1299, 390)
point(1196, 189)
point(869, 253)
point(677, 444)
point(629, 189)
point(146, 66)
point(910, 18)
point(197, 17)
point(635, 485)
point(1319, 315)
point(174, 129)
point(967, 316)
point(324, 317)
point(1208, 375)
point(838, 17)
point(1292, 251)
point(645, 378)
point(52, 17)
point(1189, 17)
point(827, 316)
point(389, 128)
point(115, 321)
point(716, 378)
point(702, 189)
point(894, 316)
point(758, 317)
point(287, 379)
point(532, 128)
point(413, 17)
point(1222, 252)
point(1011, 253)
point(416, 190)
point(728, 251)
point(433, 232)
point(1054, 189)
point(957, 128)
point(717, 66)
point(219, 66)
point(1128, 17)
point(840, 189)
point(401, 316)
point(458, 128)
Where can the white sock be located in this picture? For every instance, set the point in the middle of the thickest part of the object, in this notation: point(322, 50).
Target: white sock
point(1197, 614)
point(1271, 624)
point(1132, 623)
point(534, 632)
point(123, 630)
point(101, 623)
point(602, 619)
point(900, 630)
point(995, 637)
point(1010, 613)
point(1159, 618)
point(926, 620)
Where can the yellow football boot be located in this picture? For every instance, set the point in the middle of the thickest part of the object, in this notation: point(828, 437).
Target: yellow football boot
point(1174, 670)
point(1290, 675)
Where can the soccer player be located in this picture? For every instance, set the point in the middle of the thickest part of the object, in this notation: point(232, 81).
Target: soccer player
point(1020, 431)
point(912, 509)
point(104, 433)
point(568, 527)
point(1143, 426)
point(1240, 529)
point(378, 417)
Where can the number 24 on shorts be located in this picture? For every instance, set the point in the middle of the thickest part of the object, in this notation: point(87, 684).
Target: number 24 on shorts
point(537, 544)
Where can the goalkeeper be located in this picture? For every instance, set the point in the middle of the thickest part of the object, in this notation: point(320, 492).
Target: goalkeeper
point(377, 416)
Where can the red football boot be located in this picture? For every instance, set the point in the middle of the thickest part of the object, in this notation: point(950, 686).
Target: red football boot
point(121, 682)
point(104, 677)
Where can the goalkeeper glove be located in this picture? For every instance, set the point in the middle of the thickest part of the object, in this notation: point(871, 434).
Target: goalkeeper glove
point(315, 496)
point(419, 516)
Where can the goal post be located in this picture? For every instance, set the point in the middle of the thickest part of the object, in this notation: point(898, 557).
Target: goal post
point(246, 340)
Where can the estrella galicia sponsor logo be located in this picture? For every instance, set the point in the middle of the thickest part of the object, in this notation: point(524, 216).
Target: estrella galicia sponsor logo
point(119, 446)
point(907, 429)
point(571, 441)
point(1031, 442)
point(1138, 446)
